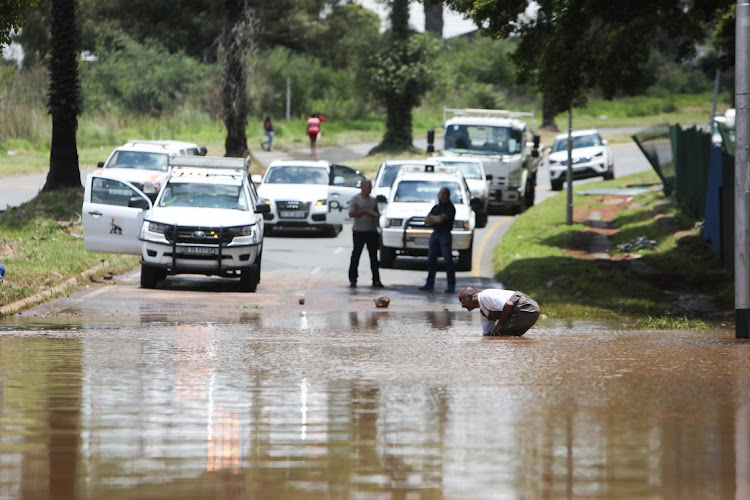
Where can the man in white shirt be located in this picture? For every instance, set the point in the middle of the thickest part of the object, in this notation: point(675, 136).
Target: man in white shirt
point(504, 312)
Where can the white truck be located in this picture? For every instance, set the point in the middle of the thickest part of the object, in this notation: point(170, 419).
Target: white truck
point(507, 146)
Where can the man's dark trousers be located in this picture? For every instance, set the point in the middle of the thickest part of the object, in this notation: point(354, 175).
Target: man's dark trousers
point(362, 238)
point(440, 244)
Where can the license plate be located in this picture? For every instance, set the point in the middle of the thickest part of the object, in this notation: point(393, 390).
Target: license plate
point(198, 251)
point(422, 242)
point(290, 214)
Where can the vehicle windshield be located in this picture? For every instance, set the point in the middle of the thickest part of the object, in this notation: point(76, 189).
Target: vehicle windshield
point(295, 174)
point(389, 175)
point(581, 141)
point(193, 194)
point(420, 191)
point(139, 159)
point(483, 140)
point(470, 169)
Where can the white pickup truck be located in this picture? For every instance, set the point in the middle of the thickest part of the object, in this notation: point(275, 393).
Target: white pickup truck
point(506, 144)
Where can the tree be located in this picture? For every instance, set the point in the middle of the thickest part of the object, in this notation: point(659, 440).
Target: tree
point(569, 47)
point(64, 97)
point(399, 75)
point(13, 16)
point(237, 40)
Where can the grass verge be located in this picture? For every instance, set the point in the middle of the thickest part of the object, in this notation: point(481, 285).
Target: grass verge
point(42, 247)
point(653, 273)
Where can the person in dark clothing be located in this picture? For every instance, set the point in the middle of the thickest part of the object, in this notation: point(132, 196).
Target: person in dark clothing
point(363, 209)
point(441, 219)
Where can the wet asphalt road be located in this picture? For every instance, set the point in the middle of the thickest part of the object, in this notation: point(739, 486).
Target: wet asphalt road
point(195, 390)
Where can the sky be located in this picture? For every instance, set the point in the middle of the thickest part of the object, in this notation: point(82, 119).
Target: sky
point(453, 23)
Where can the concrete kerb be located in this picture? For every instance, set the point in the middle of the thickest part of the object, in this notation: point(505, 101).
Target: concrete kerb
point(40, 297)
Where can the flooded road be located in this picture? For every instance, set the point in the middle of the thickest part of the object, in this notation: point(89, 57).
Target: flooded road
point(408, 403)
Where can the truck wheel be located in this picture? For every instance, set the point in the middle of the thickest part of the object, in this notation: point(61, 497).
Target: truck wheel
point(482, 219)
point(557, 185)
point(250, 278)
point(387, 256)
point(149, 277)
point(464, 258)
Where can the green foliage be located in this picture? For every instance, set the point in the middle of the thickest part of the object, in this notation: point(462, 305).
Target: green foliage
point(12, 16)
point(131, 78)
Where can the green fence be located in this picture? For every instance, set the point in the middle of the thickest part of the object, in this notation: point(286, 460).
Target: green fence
point(656, 145)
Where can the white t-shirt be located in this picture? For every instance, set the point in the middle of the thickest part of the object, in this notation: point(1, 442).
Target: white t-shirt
point(492, 299)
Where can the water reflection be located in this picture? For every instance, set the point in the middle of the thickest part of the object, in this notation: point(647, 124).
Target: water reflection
point(355, 404)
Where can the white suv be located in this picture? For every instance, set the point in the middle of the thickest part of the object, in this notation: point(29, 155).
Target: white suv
point(308, 194)
point(591, 158)
point(413, 194)
point(145, 163)
point(206, 220)
point(476, 178)
point(388, 171)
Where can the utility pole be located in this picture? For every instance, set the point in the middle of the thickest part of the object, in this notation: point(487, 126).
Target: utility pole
point(569, 171)
point(742, 172)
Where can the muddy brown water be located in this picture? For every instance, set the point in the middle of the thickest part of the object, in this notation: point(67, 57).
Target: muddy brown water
point(374, 404)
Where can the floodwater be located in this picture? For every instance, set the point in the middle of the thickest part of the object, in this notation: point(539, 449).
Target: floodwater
point(378, 404)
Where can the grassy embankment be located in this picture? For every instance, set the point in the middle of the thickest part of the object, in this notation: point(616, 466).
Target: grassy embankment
point(42, 248)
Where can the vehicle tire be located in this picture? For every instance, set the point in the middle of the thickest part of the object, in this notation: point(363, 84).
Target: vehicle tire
point(609, 174)
point(464, 258)
point(333, 230)
point(387, 256)
point(482, 219)
point(149, 277)
point(557, 185)
point(250, 278)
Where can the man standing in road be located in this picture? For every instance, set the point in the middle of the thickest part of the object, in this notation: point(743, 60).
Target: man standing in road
point(504, 312)
point(441, 219)
point(363, 209)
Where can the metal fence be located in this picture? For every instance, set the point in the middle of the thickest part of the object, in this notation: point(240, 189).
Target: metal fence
point(656, 145)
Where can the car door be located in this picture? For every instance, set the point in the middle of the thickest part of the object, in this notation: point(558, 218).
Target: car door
point(345, 183)
point(113, 212)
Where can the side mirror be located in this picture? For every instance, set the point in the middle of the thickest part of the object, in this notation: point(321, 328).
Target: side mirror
point(604, 142)
point(100, 164)
point(256, 178)
point(381, 198)
point(262, 208)
point(488, 177)
point(537, 138)
point(431, 140)
point(139, 202)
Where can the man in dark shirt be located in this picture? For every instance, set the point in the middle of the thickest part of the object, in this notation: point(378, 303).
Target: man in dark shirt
point(441, 219)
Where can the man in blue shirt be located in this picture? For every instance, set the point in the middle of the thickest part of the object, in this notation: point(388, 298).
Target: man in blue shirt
point(441, 219)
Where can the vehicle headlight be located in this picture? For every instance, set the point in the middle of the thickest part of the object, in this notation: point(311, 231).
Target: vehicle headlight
point(461, 224)
point(600, 154)
point(158, 227)
point(264, 201)
point(394, 222)
point(151, 187)
point(514, 178)
point(321, 203)
point(241, 230)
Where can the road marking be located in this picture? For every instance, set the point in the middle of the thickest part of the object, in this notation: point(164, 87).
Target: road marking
point(485, 240)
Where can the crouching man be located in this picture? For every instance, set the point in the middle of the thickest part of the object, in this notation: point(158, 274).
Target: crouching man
point(504, 312)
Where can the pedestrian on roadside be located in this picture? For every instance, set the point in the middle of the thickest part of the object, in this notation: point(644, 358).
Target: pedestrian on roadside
point(203, 151)
point(363, 209)
point(2, 273)
point(441, 219)
point(504, 312)
point(313, 131)
point(268, 126)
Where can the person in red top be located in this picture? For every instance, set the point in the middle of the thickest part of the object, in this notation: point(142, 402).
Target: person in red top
point(313, 130)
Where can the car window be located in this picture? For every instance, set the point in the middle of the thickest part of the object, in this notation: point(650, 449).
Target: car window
point(193, 194)
point(112, 192)
point(420, 191)
point(484, 139)
point(295, 174)
point(586, 141)
point(470, 169)
point(192, 152)
point(389, 175)
point(352, 178)
point(139, 159)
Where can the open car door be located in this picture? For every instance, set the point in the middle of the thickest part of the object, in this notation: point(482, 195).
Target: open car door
point(345, 184)
point(113, 212)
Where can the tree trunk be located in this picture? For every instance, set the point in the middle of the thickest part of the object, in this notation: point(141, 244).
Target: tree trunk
point(64, 97)
point(548, 115)
point(433, 17)
point(235, 44)
point(398, 135)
